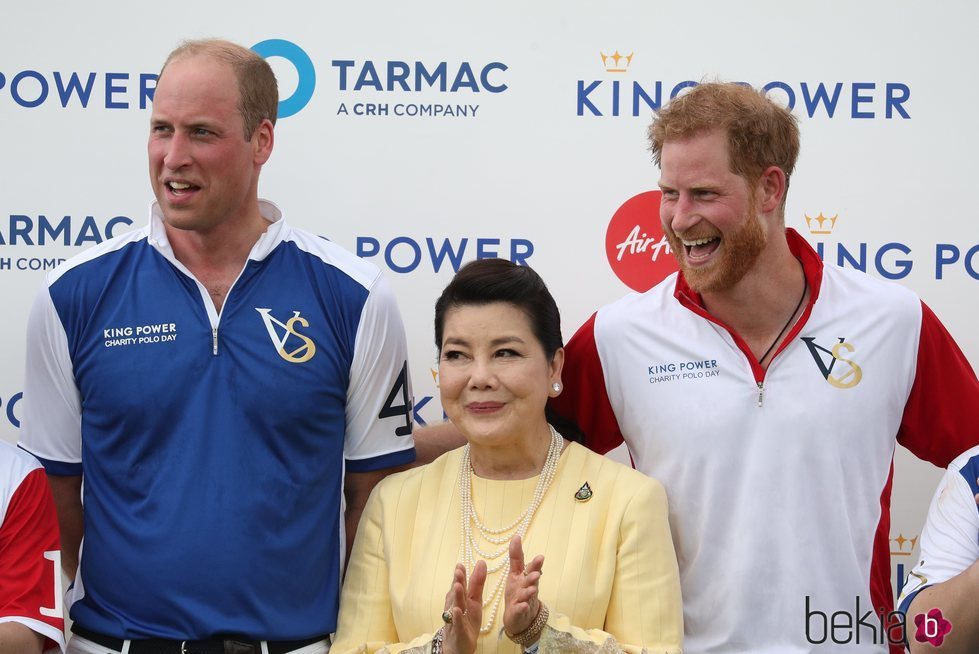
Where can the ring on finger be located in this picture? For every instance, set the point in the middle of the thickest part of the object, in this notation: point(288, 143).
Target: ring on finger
point(447, 617)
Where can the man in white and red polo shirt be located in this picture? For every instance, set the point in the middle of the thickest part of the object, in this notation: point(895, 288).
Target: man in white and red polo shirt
point(767, 392)
point(31, 615)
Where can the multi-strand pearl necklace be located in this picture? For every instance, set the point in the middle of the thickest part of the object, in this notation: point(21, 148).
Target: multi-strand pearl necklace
point(501, 537)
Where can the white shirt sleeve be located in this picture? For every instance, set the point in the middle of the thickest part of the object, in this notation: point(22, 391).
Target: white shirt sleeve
point(379, 398)
point(950, 538)
point(51, 423)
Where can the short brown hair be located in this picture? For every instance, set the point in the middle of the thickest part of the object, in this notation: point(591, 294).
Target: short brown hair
point(760, 133)
point(258, 91)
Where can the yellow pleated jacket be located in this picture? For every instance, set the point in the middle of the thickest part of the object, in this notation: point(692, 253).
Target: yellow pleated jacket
point(610, 573)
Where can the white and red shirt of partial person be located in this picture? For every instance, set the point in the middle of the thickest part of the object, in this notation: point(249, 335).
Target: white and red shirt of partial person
point(30, 559)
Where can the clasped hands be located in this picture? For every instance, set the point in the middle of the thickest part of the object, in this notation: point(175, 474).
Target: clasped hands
point(464, 601)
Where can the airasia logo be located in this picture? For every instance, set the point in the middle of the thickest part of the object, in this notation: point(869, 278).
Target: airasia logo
point(635, 245)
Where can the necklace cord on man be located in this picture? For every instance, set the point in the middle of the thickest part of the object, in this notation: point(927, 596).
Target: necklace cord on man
point(778, 338)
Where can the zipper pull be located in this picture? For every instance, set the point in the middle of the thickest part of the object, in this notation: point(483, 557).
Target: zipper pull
point(761, 386)
point(214, 343)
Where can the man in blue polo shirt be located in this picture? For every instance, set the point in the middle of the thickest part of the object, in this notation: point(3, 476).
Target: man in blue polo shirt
point(221, 382)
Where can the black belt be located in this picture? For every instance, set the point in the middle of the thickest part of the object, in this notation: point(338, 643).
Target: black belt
point(229, 645)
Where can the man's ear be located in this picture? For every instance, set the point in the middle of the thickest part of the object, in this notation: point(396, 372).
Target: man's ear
point(771, 189)
point(262, 140)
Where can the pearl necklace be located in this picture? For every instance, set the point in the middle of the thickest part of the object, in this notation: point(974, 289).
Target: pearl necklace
point(470, 547)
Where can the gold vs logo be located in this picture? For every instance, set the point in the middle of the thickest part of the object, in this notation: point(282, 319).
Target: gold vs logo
point(299, 354)
point(850, 377)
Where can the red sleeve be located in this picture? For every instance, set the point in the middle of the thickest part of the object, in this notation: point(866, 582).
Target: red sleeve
point(29, 529)
point(941, 417)
point(585, 398)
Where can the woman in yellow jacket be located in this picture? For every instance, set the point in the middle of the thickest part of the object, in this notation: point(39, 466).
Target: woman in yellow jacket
point(438, 564)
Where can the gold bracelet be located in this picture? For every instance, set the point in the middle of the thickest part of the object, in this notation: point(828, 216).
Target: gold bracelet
point(531, 634)
point(437, 641)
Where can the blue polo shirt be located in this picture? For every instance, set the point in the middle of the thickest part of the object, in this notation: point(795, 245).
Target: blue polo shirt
point(213, 446)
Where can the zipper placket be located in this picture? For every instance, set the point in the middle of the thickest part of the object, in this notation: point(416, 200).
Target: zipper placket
point(757, 372)
point(811, 268)
point(213, 315)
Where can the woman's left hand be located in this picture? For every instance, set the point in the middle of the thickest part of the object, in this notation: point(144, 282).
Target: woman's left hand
point(523, 582)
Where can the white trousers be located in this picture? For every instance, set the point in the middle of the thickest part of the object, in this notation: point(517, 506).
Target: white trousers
point(79, 645)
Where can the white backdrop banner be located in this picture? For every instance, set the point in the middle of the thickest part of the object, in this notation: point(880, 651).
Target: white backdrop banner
point(423, 135)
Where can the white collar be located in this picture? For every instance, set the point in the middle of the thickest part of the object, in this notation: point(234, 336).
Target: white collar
point(270, 238)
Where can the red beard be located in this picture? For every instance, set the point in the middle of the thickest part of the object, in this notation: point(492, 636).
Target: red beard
point(739, 250)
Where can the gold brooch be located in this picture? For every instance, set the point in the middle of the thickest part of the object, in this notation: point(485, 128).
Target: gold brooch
point(584, 493)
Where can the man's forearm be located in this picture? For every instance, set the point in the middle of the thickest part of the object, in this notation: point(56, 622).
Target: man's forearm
point(15, 638)
point(956, 598)
point(433, 441)
point(67, 493)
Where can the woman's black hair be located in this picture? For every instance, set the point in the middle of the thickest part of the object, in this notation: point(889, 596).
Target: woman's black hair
point(486, 281)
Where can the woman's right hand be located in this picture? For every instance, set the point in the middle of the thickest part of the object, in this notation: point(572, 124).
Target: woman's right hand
point(465, 602)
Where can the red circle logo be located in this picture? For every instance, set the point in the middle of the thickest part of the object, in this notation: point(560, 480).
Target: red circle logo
point(635, 244)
